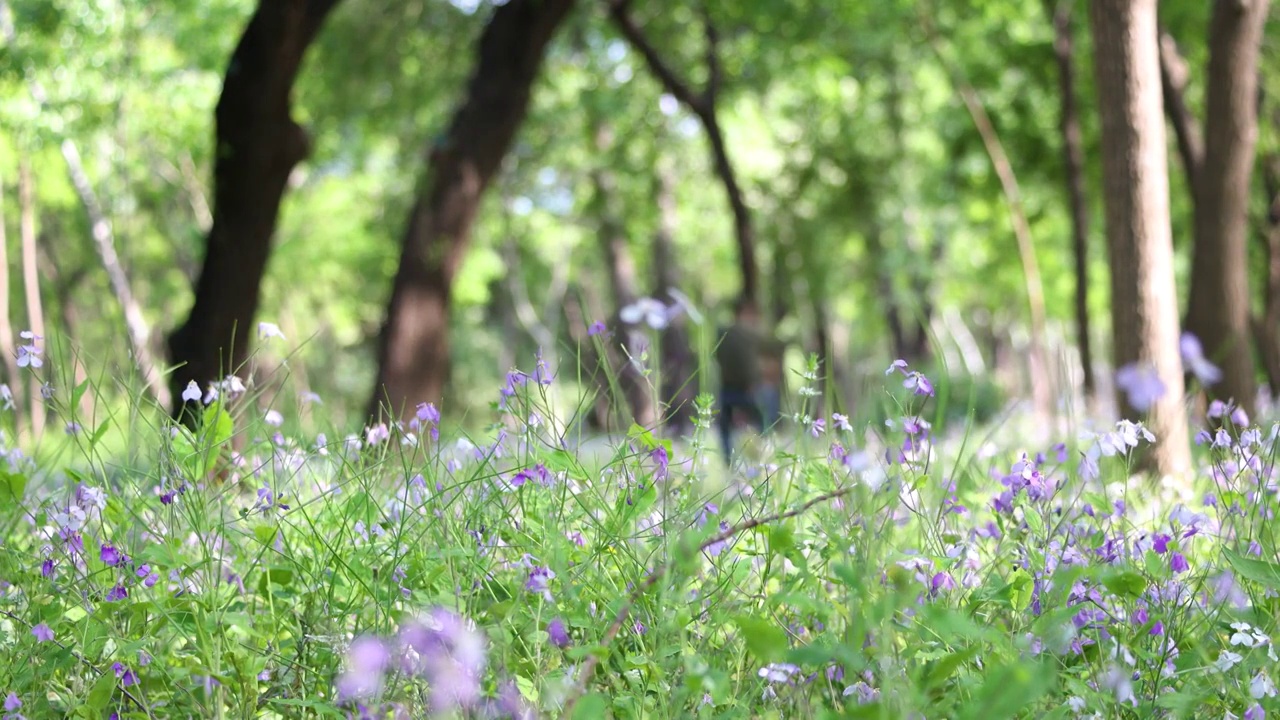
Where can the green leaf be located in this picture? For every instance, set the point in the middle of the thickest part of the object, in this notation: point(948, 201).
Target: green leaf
point(1009, 690)
point(265, 533)
point(591, 706)
point(1125, 583)
point(15, 486)
point(100, 694)
point(1021, 588)
point(764, 639)
point(1260, 571)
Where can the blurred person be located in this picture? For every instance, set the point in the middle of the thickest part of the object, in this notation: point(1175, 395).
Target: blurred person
point(739, 358)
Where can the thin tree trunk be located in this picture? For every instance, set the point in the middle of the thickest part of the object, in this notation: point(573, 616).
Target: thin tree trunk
point(31, 284)
point(104, 242)
point(413, 348)
point(1174, 77)
point(1266, 329)
point(1041, 381)
point(7, 345)
point(622, 280)
point(1218, 311)
point(679, 365)
point(1144, 299)
point(258, 144)
point(702, 105)
point(1073, 163)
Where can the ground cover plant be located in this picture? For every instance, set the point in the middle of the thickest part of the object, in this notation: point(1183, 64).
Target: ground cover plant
point(908, 569)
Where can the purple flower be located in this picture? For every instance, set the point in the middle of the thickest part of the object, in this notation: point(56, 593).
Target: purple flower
point(1142, 385)
point(367, 660)
point(638, 628)
point(1178, 563)
point(443, 648)
point(11, 702)
point(597, 328)
point(1161, 543)
point(1157, 629)
point(1194, 360)
point(46, 567)
point(42, 633)
point(900, 365)
point(127, 678)
point(941, 582)
point(428, 413)
point(557, 633)
point(111, 556)
point(1255, 712)
point(119, 592)
point(539, 579)
point(818, 427)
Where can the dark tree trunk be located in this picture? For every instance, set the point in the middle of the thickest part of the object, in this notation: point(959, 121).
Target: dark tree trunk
point(257, 146)
point(703, 105)
point(679, 366)
point(622, 282)
point(413, 349)
point(1266, 329)
point(1135, 177)
point(1073, 163)
point(1174, 76)
point(1218, 311)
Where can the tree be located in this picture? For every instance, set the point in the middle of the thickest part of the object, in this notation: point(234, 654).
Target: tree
point(1139, 237)
point(1073, 164)
point(413, 347)
point(1219, 305)
point(703, 105)
point(258, 144)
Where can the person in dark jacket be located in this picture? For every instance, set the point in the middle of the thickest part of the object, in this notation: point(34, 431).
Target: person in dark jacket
point(738, 356)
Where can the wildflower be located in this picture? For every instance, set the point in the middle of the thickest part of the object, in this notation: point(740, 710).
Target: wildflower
point(126, 675)
point(1178, 563)
point(557, 633)
point(111, 556)
point(1076, 703)
point(1242, 634)
point(539, 578)
point(1120, 681)
point(42, 633)
point(443, 648)
point(267, 330)
point(818, 427)
point(899, 365)
point(864, 692)
point(367, 660)
point(778, 672)
point(29, 354)
point(941, 582)
point(1227, 660)
point(1142, 385)
point(149, 577)
point(273, 418)
point(652, 312)
point(1194, 360)
point(1255, 712)
point(119, 592)
point(638, 628)
point(841, 422)
point(11, 702)
point(597, 328)
point(377, 434)
point(192, 393)
point(1261, 686)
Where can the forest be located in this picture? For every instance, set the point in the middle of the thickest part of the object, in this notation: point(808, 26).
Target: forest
point(636, 359)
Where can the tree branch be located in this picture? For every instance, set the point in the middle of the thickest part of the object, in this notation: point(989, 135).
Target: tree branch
point(698, 103)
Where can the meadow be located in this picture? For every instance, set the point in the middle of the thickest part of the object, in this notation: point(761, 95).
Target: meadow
point(838, 570)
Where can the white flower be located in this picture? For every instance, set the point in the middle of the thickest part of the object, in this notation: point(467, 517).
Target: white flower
point(1076, 703)
point(192, 393)
point(1261, 686)
point(273, 418)
point(71, 520)
point(1227, 660)
point(778, 672)
point(268, 330)
point(1242, 635)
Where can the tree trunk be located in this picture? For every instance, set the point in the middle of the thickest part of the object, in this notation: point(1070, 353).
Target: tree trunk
point(679, 366)
point(1073, 163)
point(703, 105)
point(622, 283)
point(1218, 311)
point(31, 284)
point(1266, 329)
point(413, 349)
point(7, 345)
point(1174, 77)
point(257, 146)
point(1144, 299)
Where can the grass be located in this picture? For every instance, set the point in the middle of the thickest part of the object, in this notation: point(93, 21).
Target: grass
point(863, 571)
